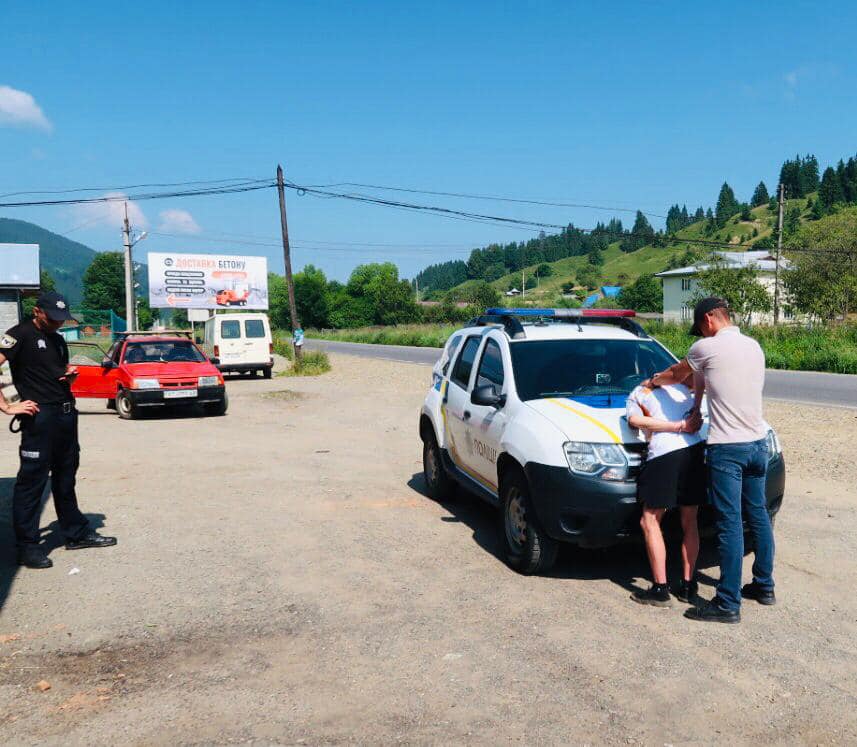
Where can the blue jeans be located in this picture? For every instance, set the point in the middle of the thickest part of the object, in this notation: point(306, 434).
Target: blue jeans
point(736, 482)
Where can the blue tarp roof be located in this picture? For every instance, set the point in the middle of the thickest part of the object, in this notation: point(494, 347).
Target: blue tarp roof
point(591, 300)
point(611, 291)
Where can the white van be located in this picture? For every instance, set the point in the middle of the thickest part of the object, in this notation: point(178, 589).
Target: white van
point(240, 342)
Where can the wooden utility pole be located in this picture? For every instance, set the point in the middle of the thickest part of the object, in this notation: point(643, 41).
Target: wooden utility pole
point(777, 262)
point(287, 258)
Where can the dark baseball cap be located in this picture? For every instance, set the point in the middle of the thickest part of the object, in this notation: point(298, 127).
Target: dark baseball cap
point(704, 307)
point(55, 306)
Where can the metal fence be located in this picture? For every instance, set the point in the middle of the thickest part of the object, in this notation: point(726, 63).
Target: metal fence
point(94, 325)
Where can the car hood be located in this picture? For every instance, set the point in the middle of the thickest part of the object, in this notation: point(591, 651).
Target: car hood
point(171, 369)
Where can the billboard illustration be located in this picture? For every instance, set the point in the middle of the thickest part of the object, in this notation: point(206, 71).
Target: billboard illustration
point(207, 281)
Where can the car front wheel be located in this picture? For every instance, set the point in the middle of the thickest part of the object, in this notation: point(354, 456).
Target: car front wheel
point(124, 406)
point(528, 549)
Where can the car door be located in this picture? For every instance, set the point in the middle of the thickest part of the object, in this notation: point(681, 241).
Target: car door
point(456, 405)
point(486, 423)
point(94, 379)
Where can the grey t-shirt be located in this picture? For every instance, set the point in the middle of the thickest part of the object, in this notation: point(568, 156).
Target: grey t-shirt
point(734, 369)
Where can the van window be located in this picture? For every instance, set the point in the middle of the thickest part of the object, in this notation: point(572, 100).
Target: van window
point(254, 328)
point(230, 330)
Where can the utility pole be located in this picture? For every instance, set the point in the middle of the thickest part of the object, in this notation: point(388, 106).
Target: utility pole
point(287, 258)
point(129, 274)
point(523, 283)
point(417, 287)
point(777, 262)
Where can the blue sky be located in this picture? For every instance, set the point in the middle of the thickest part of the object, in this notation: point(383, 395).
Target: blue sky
point(628, 105)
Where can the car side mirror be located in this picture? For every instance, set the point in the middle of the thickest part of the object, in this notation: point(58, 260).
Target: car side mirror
point(198, 340)
point(487, 396)
point(215, 361)
point(108, 363)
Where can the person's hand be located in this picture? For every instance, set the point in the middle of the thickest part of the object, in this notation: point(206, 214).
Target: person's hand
point(694, 421)
point(71, 373)
point(27, 407)
point(647, 383)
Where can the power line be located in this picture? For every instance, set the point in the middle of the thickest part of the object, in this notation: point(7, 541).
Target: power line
point(234, 181)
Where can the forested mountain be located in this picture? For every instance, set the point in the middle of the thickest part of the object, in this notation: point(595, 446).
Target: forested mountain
point(64, 259)
point(730, 221)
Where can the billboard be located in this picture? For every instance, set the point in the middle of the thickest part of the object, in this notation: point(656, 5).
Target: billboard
point(207, 281)
point(19, 265)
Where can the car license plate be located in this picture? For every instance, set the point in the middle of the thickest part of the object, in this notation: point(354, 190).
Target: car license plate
point(179, 393)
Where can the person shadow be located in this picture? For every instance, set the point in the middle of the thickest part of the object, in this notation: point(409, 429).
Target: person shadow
point(624, 564)
point(51, 536)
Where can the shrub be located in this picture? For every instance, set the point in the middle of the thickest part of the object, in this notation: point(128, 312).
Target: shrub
point(312, 363)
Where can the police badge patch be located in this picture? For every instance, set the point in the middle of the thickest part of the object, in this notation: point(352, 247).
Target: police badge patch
point(7, 342)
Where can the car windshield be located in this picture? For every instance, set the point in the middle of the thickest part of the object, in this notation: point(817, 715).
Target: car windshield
point(163, 351)
point(595, 372)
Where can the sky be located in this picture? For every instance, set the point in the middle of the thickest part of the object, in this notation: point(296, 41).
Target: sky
point(623, 105)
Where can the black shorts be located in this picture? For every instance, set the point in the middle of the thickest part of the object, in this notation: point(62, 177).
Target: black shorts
point(674, 479)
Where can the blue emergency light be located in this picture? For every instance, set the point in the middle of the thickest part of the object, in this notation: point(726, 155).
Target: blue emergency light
point(561, 313)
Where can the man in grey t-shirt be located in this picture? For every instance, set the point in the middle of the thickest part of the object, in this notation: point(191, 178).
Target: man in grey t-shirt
point(730, 367)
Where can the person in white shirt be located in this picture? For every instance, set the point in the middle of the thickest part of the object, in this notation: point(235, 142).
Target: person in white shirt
point(672, 475)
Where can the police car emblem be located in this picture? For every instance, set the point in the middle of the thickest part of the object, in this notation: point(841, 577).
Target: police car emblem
point(7, 341)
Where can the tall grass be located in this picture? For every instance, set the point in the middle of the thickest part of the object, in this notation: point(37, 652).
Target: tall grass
point(832, 349)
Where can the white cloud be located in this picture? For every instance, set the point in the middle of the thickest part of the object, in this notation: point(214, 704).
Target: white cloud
point(19, 109)
point(178, 221)
point(111, 213)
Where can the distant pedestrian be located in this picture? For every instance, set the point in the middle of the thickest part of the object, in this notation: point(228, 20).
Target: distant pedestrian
point(730, 368)
point(672, 475)
point(38, 357)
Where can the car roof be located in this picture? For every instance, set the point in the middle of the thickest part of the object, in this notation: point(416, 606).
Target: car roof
point(156, 338)
point(561, 331)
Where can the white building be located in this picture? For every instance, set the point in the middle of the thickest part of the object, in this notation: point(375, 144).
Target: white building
point(680, 286)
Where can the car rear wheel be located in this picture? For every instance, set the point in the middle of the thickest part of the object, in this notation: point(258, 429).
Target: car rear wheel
point(438, 484)
point(528, 549)
point(124, 405)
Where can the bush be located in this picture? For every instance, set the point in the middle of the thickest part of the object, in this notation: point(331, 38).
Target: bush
point(313, 363)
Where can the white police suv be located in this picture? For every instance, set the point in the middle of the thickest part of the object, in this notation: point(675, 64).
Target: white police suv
point(527, 410)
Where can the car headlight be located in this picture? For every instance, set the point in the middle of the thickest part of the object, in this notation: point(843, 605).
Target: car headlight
point(773, 444)
point(608, 461)
point(146, 384)
point(208, 381)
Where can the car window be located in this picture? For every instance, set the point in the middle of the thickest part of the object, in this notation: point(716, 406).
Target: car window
point(491, 367)
point(115, 351)
point(464, 364)
point(230, 330)
point(254, 328)
point(450, 352)
point(163, 351)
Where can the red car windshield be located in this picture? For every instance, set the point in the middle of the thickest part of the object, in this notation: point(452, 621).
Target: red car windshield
point(162, 351)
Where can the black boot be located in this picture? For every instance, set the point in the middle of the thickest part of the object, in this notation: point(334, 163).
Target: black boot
point(33, 556)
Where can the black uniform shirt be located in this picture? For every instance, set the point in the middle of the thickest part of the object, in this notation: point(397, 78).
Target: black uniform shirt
point(38, 360)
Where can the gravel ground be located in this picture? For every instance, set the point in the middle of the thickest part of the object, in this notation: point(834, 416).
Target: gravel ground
point(281, 578)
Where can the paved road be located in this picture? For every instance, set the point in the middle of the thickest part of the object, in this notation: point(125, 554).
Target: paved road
point(793, 386)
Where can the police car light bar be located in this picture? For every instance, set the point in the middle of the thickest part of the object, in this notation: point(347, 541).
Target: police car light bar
point(563, 313)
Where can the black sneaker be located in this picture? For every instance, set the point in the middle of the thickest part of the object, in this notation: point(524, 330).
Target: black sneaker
point(687, 591)
point(713, 612)
point(759, 593)
point(658, 595)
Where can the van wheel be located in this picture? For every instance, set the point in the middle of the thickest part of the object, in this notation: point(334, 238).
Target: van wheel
point(267, 372)
point(528, 549)
point(124, 406)
point(438, 484)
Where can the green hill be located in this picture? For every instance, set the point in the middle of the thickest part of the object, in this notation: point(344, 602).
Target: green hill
point(620, 267)
point(64, 259)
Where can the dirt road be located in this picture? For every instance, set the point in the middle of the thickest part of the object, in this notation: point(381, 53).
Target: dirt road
point(281, 578)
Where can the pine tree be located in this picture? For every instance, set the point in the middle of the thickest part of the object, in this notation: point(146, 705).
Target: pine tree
point(790, 178)
point(699, 214)
point(808, 175)
point(727, 205)
point(760, 195)
point(830, 192)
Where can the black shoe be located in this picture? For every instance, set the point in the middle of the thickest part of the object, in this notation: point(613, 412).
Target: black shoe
point(687, 591)
point(760, 594)
point(713, 612)
point(93, 539)
point(658, 595)
point(33, 557)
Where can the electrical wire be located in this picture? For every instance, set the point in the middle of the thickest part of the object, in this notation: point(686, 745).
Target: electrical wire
point(234, 180)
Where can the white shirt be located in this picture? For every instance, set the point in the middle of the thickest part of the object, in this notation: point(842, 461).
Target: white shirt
point(664, 403)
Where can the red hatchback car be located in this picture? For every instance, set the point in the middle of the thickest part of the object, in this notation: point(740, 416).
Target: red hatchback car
point(151, 370)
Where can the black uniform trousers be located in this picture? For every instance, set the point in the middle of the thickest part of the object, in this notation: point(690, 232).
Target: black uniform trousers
point(49, 445)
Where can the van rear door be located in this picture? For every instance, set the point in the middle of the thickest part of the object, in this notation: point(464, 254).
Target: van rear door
point(257, 340)
point(231, 344)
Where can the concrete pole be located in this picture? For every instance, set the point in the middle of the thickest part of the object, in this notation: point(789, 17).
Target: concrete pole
point(129, 274)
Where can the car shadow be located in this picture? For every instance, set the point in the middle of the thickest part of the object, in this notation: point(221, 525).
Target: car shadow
point(623, 564)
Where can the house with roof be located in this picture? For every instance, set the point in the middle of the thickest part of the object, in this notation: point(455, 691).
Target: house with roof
point(680, 286)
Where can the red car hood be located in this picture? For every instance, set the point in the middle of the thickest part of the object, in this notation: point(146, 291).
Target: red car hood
point(170, 369)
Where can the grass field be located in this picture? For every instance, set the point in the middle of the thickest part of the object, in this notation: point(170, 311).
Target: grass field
point(830, 349)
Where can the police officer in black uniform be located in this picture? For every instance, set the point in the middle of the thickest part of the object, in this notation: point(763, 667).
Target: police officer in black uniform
point(38, 357)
